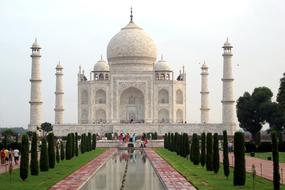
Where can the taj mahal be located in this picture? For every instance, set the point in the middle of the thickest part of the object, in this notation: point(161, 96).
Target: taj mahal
point(133, 90)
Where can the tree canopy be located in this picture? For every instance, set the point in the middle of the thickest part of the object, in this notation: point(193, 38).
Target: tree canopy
point(46, 127)
point(281, 93)
point(250, 111)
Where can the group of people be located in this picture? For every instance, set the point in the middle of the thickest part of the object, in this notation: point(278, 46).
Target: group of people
point(126, 138)
point(8, 155)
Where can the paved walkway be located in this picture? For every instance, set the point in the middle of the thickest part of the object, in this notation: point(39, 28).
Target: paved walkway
point(264, 168)
point(170, 177)
point(80, 176)
point(5, 167)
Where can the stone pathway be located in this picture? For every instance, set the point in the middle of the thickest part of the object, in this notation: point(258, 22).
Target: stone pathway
point(170, 177)
point(264, 168)
point(80, 176)
point(5, 167)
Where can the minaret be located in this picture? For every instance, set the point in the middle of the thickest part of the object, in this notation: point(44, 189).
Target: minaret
point(58, 118)
point(36, 101)
point(228, 98)
point(204, 94)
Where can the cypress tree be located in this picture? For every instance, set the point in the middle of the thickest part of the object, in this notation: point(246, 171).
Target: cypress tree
point(172, 142)
point(203, 149)
point(62, 151)
point(226, 155)
point(82, 145)
point(44, 156)
point(89, 142)
point(51, 152)
point(175, 143)
point(34, 167)
point(24, 164)
point(67, 148)
point(196, 149)
point(239, 167)
point(72, 146)
point(191, 150)
point(209, 161)
point(94, 142)
point(76, 144)
point(216, 156)
point(165, 141)
point(185, 144)
point(57, 154)
point(275, 156)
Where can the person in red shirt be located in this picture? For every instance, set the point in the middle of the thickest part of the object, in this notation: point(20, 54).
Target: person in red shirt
point(2, 154)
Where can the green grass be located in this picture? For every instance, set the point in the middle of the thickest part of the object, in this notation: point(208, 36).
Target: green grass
point(264, 155)
point(205, 180)
point(47, 179)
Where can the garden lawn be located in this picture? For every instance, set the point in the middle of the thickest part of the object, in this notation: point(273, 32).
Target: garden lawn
point(207, 180)
point(265, 155)
point(47, 179)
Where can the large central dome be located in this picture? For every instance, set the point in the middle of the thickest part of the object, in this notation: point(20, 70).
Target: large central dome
point(132, 47)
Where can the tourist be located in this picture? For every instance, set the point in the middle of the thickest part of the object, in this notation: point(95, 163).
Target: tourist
point(121, 138)
point(6, 155)
point(2, 154)
point(127, 138)
point(16, 156)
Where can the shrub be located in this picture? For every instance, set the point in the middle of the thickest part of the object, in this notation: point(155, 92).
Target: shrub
point(203, 149)
point(209, 161)
point(195, 149)
point(51, 152)
point(155, 136)
point(250, 147)
point(216, 157)
point(44, 156)
point(62, 151)
point(24, 165)
point(226, 154)
point(34, 167)
point(94, 142)
point(276, 174)
point(252, 154)
point(76, 144)
point(239, 167)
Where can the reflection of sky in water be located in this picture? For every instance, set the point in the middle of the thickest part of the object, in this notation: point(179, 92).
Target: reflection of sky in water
point(140, 174)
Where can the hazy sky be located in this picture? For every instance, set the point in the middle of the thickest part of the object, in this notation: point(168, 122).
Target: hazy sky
point(186, 32)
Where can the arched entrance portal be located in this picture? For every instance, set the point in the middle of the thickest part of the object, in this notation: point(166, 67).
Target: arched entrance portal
point(132, 106)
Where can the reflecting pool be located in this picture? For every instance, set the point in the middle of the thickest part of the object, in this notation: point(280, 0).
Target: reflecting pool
point(128, 170)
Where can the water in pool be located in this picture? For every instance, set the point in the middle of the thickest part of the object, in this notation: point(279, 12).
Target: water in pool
point(126, 170)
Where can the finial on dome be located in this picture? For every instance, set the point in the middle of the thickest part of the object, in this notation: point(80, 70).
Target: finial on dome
point(101, 58)
point(131, 16)
point(161, 57)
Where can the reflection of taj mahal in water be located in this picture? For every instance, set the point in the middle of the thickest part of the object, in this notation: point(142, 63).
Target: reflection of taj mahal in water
point(133, 91)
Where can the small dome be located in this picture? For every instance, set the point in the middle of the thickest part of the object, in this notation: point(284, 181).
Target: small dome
point(227, 44)
point(101, 65)
point(162, 65)
point(59, 66)
point(204, 66)
point(36, 45)
point(131, 43)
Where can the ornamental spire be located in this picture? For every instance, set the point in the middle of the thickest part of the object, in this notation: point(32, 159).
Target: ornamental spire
point(131, 16)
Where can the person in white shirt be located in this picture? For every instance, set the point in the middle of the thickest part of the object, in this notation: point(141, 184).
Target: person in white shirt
point(16, 156)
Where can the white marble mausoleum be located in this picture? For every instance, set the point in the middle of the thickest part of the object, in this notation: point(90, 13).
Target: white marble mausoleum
point(133, 90)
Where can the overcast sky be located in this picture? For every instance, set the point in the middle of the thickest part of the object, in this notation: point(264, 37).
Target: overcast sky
point(185, 32)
